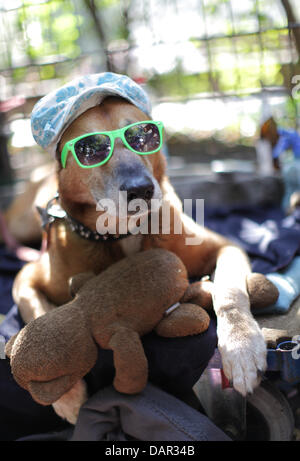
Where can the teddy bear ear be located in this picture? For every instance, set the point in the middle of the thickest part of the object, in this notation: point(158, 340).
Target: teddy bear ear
point(78, 280)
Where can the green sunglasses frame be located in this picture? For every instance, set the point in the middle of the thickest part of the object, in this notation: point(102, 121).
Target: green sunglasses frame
point(70, 145)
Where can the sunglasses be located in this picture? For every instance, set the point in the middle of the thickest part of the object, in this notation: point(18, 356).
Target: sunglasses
point(95, 149)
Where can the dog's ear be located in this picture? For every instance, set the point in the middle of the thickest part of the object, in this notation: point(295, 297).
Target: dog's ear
point(58, 156)
point(159, 167)
point(78, 280)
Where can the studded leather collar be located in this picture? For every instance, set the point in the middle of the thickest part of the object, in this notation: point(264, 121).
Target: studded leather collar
point(54, 211)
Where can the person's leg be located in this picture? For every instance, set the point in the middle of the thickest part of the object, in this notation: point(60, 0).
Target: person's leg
point(20, 415)
point(175, 364)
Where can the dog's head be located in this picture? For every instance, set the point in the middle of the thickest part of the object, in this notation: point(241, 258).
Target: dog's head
point(140, 176)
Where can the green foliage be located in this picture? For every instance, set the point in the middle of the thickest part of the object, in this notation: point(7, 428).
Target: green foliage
point(58, 29)
point(213, 6)
point(49, 29)
point(107, 3)
point(243, 79)
point(47, 72)
point(291, 113)
point(19, 74)
point(176, 83)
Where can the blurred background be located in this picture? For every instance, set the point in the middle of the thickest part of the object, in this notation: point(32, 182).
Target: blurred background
point(215, 71)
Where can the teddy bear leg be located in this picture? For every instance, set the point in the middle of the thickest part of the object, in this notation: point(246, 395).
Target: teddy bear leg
point(185, 320)
point(200, 293)
point(50, 391)
point(130, 361)
point(262, 292)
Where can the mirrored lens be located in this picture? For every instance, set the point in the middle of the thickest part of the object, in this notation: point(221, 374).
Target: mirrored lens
point(143, 137)
point(93, 149)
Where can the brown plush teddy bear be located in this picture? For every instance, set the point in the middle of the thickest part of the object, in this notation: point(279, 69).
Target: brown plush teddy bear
point(113, 309)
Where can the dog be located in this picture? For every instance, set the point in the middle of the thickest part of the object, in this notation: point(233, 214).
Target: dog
point(43, 285)
point(21, 221)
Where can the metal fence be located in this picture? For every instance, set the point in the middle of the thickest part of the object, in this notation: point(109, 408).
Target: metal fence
point(212, 67)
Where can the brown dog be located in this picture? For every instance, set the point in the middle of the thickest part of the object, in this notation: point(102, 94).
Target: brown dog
point(43, 285)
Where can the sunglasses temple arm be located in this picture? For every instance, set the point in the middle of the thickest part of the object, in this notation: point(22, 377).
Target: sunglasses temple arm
point(64, 154)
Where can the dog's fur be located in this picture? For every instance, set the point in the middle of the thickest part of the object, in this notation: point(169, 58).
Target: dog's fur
point(43, 285)
point(21, 218)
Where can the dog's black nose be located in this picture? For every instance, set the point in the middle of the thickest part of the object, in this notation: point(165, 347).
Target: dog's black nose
point(138, 187)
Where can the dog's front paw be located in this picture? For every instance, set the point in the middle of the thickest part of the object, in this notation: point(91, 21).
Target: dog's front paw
point(243, 351)
point(68, 406)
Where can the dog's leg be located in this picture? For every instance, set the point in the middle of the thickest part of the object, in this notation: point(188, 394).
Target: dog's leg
point(32, 303)
point(68, 406)
point(240, 340)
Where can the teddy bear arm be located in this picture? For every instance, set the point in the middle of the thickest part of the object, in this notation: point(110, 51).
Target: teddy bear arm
point(185, 320)
point(129, 360)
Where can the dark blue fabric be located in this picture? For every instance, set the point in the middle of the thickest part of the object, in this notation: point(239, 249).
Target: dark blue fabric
point(20, 415)
point(270, 238)
point(175, 364)
point(9, 266)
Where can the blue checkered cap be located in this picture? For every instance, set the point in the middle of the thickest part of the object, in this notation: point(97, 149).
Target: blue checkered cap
point(57, 110)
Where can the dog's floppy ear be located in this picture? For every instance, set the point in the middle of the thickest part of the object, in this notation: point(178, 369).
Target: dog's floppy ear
point(78, 280)
point(159, 167)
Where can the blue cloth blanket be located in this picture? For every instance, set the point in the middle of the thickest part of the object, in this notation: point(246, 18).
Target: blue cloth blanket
point(272, 241)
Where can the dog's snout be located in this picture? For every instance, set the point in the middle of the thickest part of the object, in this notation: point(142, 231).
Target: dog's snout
point(138, 188)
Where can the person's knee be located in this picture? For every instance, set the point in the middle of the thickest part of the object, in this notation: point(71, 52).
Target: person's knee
point(176, 364)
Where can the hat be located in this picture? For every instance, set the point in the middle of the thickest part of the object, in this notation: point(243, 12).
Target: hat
point(57, 110)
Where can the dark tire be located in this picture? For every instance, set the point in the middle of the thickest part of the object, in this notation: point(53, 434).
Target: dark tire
point(269, 415)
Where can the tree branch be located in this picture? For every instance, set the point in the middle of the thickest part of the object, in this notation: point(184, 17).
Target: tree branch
point(90, 5)
point(291, 17)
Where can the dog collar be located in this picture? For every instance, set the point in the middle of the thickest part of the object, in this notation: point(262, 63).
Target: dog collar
point(54, 211)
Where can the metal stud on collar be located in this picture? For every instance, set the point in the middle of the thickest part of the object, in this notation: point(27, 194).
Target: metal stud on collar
point(54, 211)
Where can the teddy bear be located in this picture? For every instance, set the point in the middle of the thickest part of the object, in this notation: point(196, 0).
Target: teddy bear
point(140, 293)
